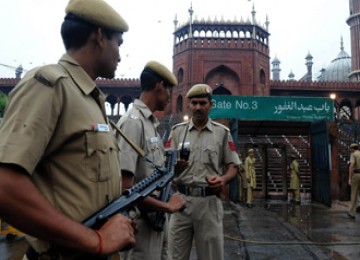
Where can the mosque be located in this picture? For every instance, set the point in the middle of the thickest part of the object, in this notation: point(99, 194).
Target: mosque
point(232, 56)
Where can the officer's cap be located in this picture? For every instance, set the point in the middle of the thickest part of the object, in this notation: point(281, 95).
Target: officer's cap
point(251, 150)
point(293, 156)
point(354, 146)
point(162, 71)
point(97, 12)
point(199, 90)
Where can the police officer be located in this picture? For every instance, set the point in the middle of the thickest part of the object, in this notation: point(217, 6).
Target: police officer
point(250, 178)
point(59, 159)
point(295, 180)
point(140, 124)
point(207, 148)
point(354, 178)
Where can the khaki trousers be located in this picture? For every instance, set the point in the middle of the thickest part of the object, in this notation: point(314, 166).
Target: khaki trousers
point(150, 244)
point(355, 186)
point(249, 195)
point(201, 221)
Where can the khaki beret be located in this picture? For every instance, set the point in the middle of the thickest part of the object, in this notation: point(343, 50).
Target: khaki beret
point(354, 146)
point(293, 156)
point(251, 150)
point(199, 90)
point(97, 12)
point(162, 71)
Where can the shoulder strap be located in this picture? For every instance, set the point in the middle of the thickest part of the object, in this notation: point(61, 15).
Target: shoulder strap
point(127, 139)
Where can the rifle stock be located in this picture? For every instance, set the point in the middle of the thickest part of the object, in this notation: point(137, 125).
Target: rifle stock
point(158, 180)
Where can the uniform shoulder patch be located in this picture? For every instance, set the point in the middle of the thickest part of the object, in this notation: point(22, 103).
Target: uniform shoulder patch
point(50, 74)
point(221, 125)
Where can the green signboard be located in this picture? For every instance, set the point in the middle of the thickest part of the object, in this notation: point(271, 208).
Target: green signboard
point(272, 108)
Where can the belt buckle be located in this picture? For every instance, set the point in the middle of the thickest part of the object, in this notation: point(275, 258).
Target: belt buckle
point(197, 191)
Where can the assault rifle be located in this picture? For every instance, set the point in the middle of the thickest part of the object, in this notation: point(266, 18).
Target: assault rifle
point(160, 218)
point(158, 180)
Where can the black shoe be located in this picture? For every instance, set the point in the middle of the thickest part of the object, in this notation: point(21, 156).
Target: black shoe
point(358, 209)
point(249, 205)
point(292, 201)
point(298, 202)
point(350, 216)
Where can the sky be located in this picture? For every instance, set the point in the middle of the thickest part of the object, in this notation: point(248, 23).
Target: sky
point(30, 30)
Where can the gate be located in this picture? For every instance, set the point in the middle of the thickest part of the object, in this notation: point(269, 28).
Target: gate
point(320, 154)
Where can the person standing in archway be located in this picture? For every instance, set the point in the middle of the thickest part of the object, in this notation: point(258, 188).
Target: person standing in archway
point(295, 180)
point(250, 178)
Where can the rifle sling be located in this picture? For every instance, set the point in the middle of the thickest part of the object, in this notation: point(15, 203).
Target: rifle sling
point(127, 139)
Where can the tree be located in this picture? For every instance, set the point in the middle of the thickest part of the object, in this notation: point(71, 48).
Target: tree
point(3, 103)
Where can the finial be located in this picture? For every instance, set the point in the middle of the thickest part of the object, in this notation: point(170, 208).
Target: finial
point(342, 43)
point(267, 22)
point(175, 21)
point(253, 12)
point(191, 11)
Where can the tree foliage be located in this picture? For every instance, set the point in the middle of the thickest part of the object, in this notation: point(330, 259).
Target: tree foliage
point(3, 102)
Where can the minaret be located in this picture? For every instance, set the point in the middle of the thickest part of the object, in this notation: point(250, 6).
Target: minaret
point(19, 70)
point(276, 68)
point(309, 62)
point(354, 22)
point(253, 12)
point(191, 11)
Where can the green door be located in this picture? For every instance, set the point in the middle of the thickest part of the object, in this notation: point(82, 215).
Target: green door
point(320, 154)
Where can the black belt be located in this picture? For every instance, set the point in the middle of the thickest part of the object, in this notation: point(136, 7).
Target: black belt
point(195, 191)
point(357, 171)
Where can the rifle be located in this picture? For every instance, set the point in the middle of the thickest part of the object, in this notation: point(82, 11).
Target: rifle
point(122, 205)
point(160, 218)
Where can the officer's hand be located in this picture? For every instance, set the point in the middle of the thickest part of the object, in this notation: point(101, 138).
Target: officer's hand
point(117, 233)
point(349, 182)
point(175, 204)
point(215, 182)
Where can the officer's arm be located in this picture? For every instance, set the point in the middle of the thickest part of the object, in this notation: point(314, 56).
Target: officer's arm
point(230, 173)
point(175, 204)
point(218, 181)
point(23, 206)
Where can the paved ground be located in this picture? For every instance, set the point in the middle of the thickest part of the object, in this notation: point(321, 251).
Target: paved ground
point(272, 230)
point(279, 230)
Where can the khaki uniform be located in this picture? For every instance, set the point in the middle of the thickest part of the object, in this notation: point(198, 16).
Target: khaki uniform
point(55, 127)
point(250, 174)
point(355, 181)
point(140, 125)
point(210, 151)
point(295, 180)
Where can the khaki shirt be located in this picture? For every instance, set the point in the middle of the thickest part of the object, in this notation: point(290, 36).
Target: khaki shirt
point(140, 125)
point(355, 158)
point(211, 150)
point(55, 129)
point(250, 172)
point(294, 175)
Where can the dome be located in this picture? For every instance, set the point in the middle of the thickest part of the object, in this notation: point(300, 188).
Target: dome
point(339, 68)
point(291, 75)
